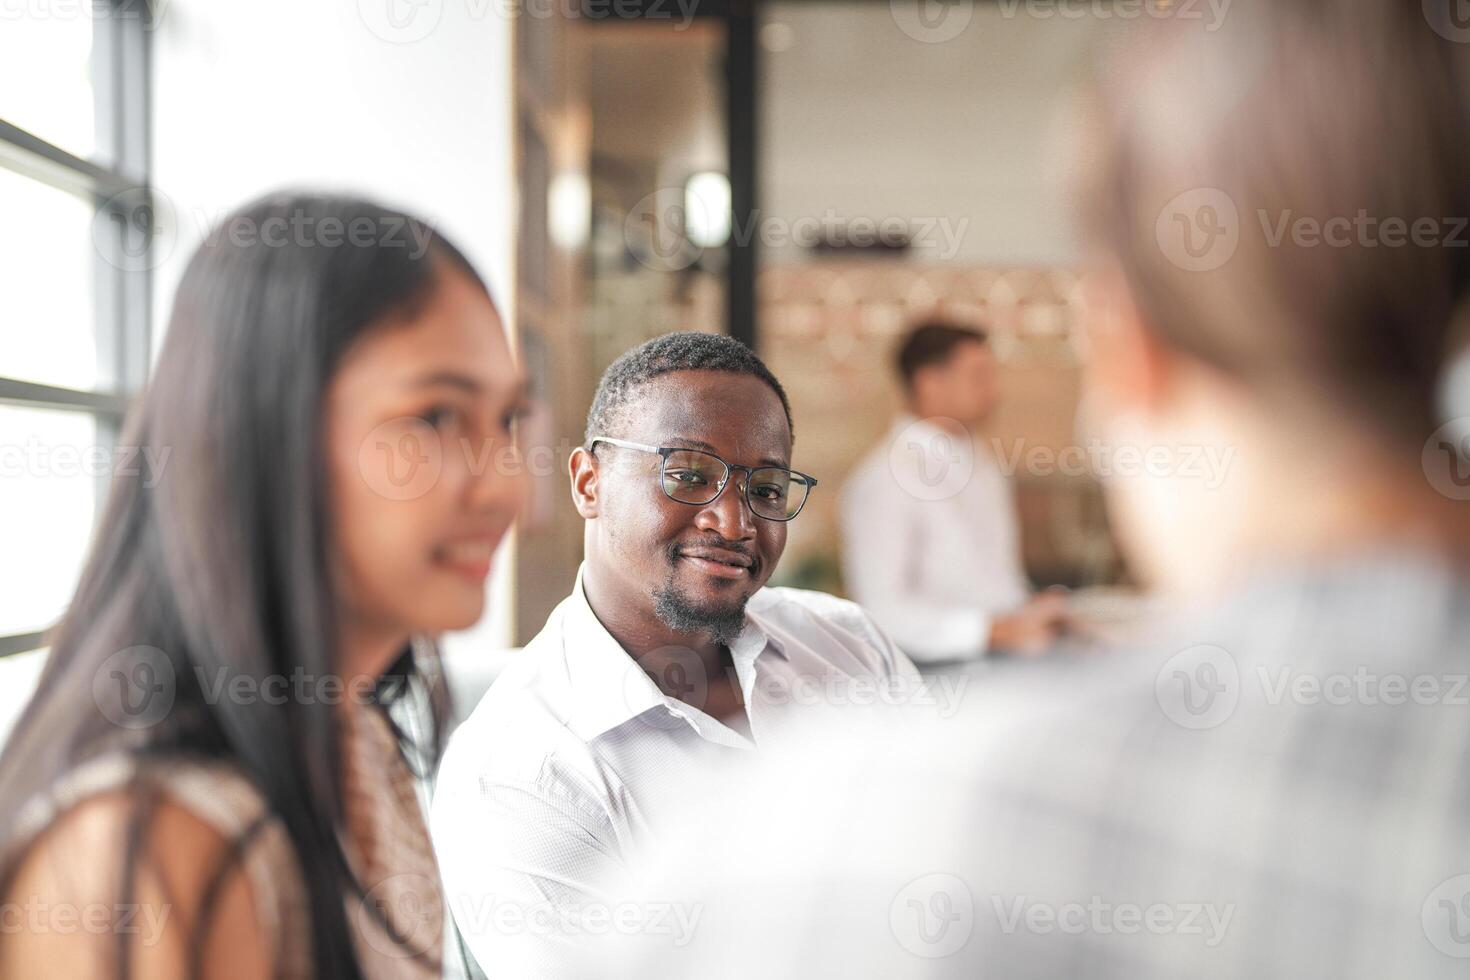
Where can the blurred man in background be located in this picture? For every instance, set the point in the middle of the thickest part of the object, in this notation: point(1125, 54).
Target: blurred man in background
point(931, 541)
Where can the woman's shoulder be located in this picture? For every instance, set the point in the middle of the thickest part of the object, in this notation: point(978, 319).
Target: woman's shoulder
point(182, 857)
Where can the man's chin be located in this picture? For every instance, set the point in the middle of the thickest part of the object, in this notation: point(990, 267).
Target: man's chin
point(721, 614)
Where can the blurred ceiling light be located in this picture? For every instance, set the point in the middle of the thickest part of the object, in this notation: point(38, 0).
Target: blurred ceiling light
point(777, 37)
point(569, 210)
point(707, 209)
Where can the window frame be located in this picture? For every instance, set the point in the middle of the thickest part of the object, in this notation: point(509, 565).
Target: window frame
point(118, 181)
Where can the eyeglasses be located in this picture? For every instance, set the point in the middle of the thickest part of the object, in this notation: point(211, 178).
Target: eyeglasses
point(693, 477)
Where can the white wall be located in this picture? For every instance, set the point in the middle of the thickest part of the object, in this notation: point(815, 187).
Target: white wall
point(866, 119)
point(338, 94)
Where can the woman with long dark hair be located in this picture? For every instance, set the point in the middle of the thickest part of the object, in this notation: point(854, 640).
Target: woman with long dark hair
point(214, 776)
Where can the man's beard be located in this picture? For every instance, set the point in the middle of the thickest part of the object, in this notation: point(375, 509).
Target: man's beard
point(675, 611)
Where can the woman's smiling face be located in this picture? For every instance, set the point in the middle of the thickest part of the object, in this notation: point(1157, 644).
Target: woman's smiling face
point(425, 475)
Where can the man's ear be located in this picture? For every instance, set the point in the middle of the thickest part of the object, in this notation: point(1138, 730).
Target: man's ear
point(582, 467)
point(1130, 366)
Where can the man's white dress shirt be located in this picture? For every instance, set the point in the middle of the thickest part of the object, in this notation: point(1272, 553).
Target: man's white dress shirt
point(573, 756)
point(931, 541)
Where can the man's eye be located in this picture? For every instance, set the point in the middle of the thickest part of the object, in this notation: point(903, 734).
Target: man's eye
point(689, 477)
point(769, 491)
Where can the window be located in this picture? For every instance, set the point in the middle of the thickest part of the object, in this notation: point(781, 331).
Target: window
point(74, 306)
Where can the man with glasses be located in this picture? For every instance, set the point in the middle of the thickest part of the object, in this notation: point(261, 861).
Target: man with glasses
point(669, 659)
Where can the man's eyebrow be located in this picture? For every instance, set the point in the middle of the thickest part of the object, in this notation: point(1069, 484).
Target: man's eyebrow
point(679, 442)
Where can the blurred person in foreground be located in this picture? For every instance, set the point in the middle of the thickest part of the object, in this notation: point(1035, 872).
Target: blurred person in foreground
point(1280, 787)
point(931, 540)
point(670, 661)
point(215, 776)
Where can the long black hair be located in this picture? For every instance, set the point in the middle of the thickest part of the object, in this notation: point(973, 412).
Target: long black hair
point(223, 568)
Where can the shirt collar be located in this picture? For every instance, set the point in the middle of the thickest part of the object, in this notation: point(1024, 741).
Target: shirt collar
point(905, 419)
point(609, 688)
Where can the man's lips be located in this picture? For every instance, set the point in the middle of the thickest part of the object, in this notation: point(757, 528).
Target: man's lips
point(720, 562)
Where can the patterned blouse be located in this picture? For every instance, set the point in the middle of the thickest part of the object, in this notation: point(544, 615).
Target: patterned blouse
point(397, 924)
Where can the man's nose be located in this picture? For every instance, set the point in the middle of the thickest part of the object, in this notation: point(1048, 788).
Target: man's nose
point(727, 513)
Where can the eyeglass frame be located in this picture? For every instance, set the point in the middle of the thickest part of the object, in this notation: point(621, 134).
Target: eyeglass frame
point(664, 452)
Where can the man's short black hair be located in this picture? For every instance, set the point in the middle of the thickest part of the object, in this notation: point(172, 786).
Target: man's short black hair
point(687, 351)
point(932, 342)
